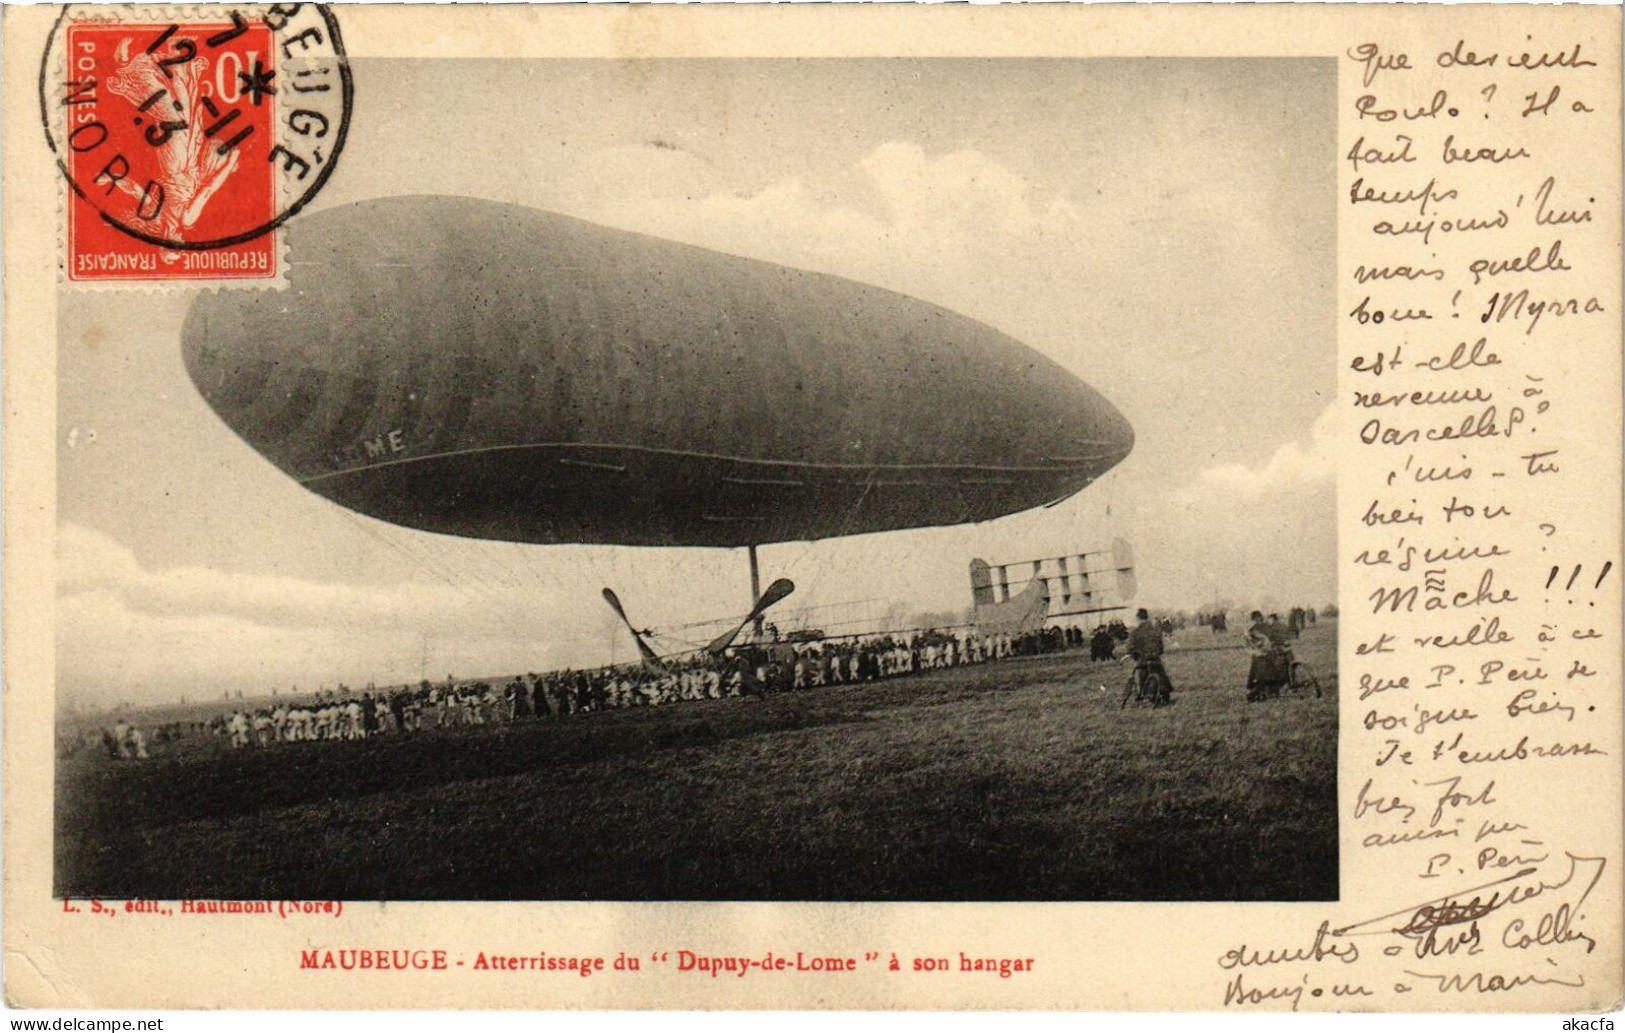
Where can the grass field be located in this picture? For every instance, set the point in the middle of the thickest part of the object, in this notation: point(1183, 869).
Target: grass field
point(1014, 781)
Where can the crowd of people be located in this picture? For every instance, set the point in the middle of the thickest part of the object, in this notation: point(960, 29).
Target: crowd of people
point(753, 670)
point(1297, 618)
point(124, 741)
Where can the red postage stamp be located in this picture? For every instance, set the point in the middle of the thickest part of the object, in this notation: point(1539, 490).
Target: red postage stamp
point(186, 144)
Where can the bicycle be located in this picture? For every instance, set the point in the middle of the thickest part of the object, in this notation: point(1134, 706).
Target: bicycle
point(1301, 677)
point(1147, 684)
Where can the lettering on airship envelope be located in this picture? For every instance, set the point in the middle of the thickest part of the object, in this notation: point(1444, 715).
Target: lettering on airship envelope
point(187, 139)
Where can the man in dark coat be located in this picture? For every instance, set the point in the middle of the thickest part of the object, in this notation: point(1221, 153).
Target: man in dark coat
point(1101, 644)
point(1267, 642)
point(1145, 646)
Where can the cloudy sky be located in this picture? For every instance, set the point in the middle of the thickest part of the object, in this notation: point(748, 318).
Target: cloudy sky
point(1164, 229)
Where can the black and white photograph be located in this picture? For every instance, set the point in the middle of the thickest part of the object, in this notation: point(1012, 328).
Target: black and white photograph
point(749, 479)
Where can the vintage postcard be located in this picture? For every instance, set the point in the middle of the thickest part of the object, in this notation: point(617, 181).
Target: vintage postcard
point(863, 507)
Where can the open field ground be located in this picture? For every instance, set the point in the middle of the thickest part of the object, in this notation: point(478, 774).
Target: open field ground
point(1021, 780)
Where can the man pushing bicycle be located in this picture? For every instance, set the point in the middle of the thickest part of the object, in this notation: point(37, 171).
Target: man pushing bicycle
point(1271, 666)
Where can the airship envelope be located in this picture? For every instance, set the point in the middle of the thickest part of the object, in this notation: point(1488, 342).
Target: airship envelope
point(493, 371)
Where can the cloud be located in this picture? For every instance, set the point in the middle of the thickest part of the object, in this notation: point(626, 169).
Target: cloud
point(1244, 532)
point(91, 563)
point(128, 632)
point(961, 192)
point(900, 216)
point(1294, 465)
